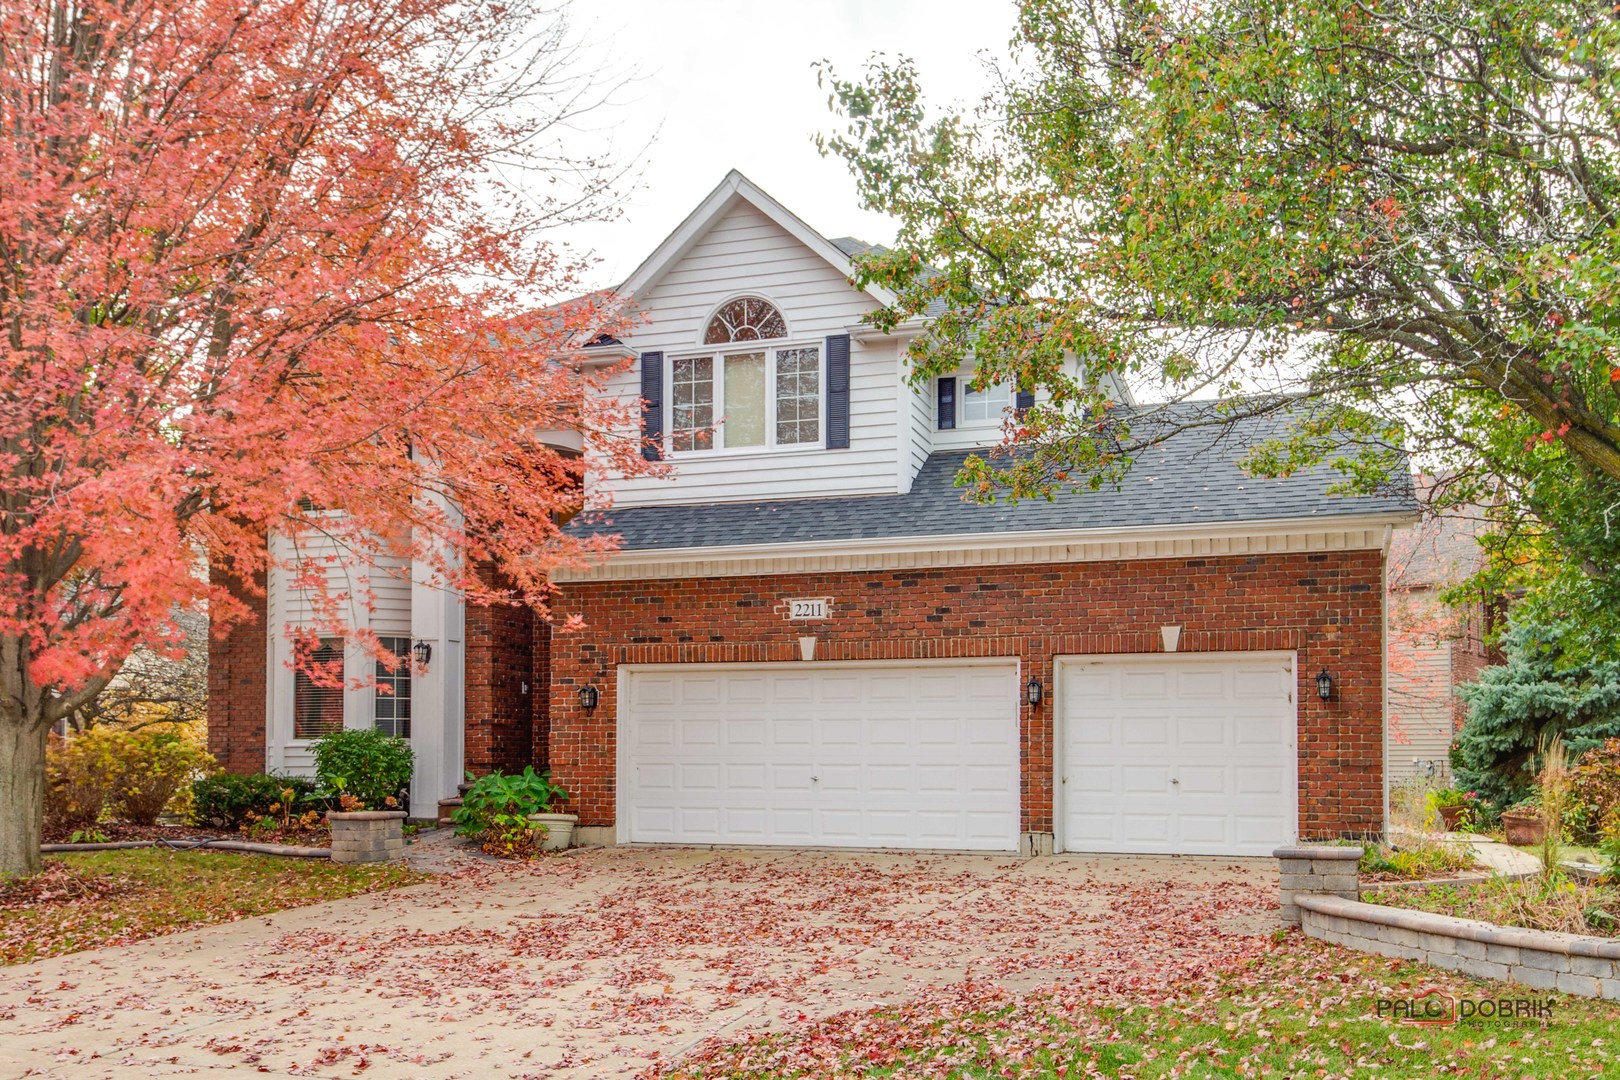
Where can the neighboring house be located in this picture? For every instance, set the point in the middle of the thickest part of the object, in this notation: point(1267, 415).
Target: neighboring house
point(1434, 646)
point(807, 637)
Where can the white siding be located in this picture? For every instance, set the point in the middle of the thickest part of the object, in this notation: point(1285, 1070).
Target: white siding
point(920, 422)
point(1420, 689)
point(746, 252)
point(289, 608)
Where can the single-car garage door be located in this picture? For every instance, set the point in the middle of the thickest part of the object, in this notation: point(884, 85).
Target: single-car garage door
point(921, 755)
point(1179, 754)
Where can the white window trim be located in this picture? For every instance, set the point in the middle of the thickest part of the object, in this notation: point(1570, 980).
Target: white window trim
point(770, 347)
point(964, 390)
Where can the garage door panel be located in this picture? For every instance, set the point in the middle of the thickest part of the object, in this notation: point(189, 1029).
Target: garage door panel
point(1146, 731)
point(852, 755)
point(1176, 754)
point(703, 777)
point(1146, 828)
point(1205, 829)
point(1198, 686)
point(1144, 684)
point(1262, 782)
point(1203, 780)
point(1144, 780)
point(1202, 731)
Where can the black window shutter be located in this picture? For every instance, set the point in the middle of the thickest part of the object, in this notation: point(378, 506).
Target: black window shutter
point(947, 404)
point(652, 409)
point(838, 392)
point(1025, 401)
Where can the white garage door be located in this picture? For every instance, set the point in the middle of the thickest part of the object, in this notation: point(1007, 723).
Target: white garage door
point(1177, 754)
point(844, 755)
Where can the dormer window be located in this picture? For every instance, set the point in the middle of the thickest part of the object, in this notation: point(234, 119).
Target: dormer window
point(989, 404)
point(750, 389)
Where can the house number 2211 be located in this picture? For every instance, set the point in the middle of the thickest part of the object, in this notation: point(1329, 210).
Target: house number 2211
point(807, 610)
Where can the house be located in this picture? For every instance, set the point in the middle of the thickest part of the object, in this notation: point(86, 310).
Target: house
point(807, 637)
point(1435, 644)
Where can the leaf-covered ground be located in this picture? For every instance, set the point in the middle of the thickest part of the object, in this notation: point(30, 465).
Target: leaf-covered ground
point(628, 962)
point(86, 900)
point(1303, 1009)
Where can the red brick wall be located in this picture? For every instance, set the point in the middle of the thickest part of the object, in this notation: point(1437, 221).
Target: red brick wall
point(1328, 607)
point(499, 733)
point(236, 686)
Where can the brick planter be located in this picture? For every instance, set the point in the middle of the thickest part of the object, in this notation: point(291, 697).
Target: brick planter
point(1317, 870)
point(365, 836)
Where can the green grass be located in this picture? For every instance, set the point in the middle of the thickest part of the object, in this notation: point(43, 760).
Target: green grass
point(86, 900)
point(1304, 1010)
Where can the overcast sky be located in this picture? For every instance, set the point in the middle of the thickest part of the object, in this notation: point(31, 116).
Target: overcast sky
point(722, 84)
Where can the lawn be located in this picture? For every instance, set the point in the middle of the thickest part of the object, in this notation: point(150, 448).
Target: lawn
point(86, 900)
point(1305, 1009)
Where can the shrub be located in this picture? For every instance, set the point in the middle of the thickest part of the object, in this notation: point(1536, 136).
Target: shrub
point(496, 810)
point(157, 767)
point(81, 775)
point(365, 763)
point(229, 800)
point(111, 770)
point(1595, 789)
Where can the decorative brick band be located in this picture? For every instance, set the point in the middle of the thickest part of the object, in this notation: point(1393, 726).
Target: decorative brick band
point(1543, 959)
point(365, 836)
point(1316, 870)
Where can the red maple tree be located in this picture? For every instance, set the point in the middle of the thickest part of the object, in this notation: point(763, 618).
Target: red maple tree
point(261, 258)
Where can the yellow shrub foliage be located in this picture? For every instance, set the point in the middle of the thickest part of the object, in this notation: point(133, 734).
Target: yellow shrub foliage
point(132, 775)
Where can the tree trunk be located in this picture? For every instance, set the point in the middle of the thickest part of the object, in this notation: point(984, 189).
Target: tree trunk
point(22, 789)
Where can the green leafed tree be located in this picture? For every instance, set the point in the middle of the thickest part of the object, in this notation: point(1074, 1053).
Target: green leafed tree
point(1516, 708)
point(1396, 218)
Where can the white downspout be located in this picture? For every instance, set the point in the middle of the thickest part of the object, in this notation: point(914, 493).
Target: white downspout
point(1389, 533)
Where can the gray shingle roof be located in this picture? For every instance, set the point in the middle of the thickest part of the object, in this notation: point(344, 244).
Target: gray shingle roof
point(852, 247)
point(1191, 478)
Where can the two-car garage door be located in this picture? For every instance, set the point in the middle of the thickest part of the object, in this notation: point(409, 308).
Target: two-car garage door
point(1182, 753)
point(842, 755)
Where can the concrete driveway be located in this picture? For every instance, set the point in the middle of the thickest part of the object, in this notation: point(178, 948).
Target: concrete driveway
point(608, 962)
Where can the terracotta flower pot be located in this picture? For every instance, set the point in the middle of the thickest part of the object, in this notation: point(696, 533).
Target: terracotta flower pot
point(1524, 829)
point(1451, 815)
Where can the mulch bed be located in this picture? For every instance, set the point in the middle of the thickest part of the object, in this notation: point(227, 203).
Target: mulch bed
point(117, 832)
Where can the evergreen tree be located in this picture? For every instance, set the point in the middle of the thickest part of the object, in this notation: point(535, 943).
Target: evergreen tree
point(1518, 706)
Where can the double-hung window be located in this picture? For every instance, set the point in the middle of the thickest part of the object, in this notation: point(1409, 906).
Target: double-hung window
point(392, 711)
point(745, 389)
point(318, 702)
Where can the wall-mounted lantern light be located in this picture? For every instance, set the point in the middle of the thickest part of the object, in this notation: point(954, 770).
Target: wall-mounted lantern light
point(1324, 685)
point(588, 697)
point(423, 652)
point(1032, 692)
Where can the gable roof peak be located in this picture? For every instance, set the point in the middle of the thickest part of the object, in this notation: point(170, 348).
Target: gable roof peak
point(733, 187)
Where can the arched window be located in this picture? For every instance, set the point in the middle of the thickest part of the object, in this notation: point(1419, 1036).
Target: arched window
point(747, 318)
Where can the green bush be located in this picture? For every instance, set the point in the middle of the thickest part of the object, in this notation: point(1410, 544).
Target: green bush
point(224, 800)
point(496, 810)
point(365, 763)
point(132, 775)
